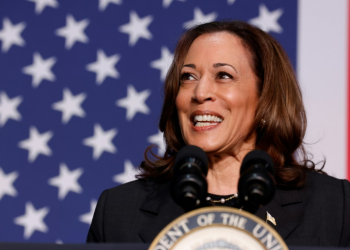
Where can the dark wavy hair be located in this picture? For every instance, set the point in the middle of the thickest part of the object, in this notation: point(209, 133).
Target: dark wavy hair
point(280, 105)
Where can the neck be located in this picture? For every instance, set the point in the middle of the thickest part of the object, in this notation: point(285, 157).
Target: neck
point(223, 177)
point(223, 173)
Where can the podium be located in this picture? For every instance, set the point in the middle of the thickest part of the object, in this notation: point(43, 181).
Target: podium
point(122, 246)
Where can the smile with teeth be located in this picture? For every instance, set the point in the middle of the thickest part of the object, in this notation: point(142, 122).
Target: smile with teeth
point(206, 120)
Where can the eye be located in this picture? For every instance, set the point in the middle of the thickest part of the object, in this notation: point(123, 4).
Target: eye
point(224, 75)
point(187, 76)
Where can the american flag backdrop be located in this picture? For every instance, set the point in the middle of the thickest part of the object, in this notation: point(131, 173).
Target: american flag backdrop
point(80, 95)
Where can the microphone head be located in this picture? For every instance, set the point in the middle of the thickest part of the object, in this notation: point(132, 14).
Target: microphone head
point(195, 152)
point(257, 157)
point(256, 185)
point(189, 185)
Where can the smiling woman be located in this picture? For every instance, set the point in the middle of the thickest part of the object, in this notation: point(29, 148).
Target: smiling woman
point(229, 90)
point(243, 76)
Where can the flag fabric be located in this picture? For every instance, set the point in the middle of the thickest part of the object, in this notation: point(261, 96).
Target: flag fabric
point(80, 96)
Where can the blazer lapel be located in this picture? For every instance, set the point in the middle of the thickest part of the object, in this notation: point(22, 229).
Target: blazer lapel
point(160, 209)
point(287, 209)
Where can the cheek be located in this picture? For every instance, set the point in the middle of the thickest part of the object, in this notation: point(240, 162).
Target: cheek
point(240, 98)
point(232, 97)
point(232, 100)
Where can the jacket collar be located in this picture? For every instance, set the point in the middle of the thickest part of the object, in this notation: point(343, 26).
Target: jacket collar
point(286, 207)
point(161, 210)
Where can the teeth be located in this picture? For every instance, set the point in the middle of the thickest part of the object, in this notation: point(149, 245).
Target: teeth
point(207, 118)
point(204, 124)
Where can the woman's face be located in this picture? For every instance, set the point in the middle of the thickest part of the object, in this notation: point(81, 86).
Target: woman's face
point(218, 96)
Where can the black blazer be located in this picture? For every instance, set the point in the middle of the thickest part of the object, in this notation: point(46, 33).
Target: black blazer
point(316, 215)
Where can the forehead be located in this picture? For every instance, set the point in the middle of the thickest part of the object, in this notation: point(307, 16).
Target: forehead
point(218, 46)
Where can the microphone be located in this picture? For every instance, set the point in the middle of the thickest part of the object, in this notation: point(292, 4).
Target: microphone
point(189, 185)
point(256, 184)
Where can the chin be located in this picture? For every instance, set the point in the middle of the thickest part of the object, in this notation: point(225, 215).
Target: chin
point(207, 147)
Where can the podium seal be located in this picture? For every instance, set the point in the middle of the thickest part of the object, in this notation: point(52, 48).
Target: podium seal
point(218, 228)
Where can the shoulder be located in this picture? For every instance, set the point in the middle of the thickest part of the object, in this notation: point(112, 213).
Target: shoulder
point(325, 190)
point(326, 185)
point(117, 209)
point(328, 201)
point(318, 188)
point(136, 187)
point(133, 192)
point(321, 211)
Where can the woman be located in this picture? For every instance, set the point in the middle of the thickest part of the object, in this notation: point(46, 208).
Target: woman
point(231, 89)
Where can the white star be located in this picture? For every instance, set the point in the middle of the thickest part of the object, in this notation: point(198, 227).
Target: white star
point(11, 34)
point(104, 3)
point(104, 66)
point(32, 220)
point(200, 18)
point(268, 21)
point(73, 31)
point(230, 2)
point(166, 3)
point(87, 218)
point(134, 102)
point(163, 63)
point(40, 69)
point(6, 183)
point(8, 108)
point(101, 141)
point(128, 175)
point(158, 140)
point(70, 105)
point(36, 144)
point(41, 4)
point(137, 28)
point(67, 181)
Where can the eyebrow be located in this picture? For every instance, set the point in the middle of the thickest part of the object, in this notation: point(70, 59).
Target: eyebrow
point(217, 65)
point(190, 65)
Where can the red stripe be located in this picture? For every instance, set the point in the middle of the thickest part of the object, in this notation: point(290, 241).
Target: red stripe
point(348, 98)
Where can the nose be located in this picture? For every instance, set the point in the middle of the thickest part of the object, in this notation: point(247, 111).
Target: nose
point(204, 91)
